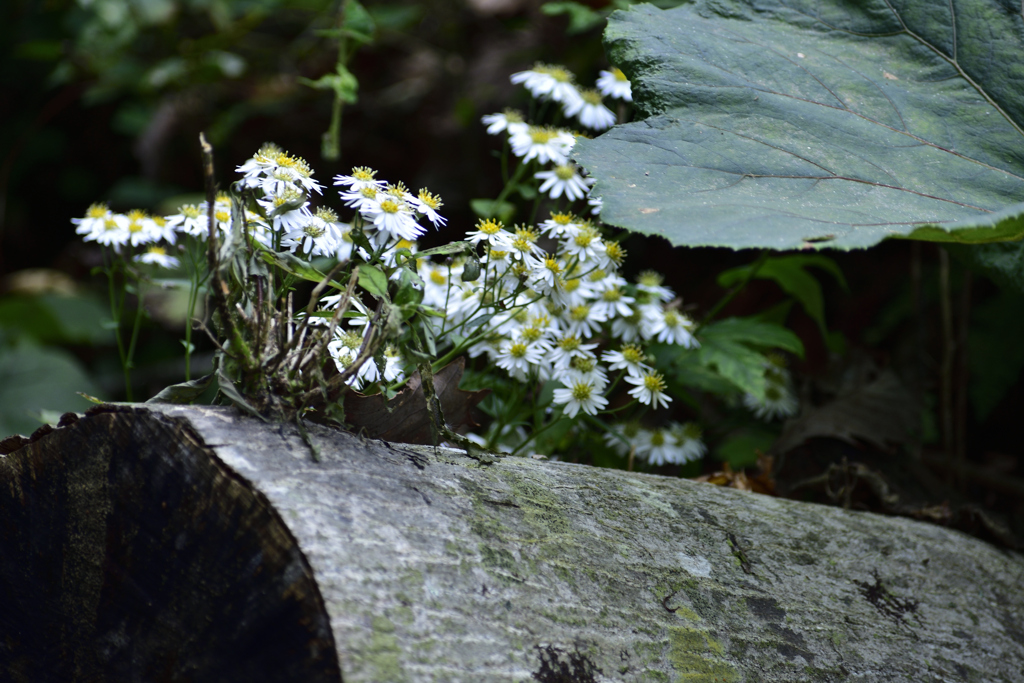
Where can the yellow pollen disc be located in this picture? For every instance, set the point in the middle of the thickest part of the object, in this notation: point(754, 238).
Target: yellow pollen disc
point(437, 277)
point(489, 227)
point(565, 172)
point(581, 391)
point(611, 295)
point(591, 96)
point(569, 343)
point(671, 319)
point(619, 76)
point(517, 350)
point(96, 211)
point(222, 216)
point(579, 312)
point(562, 218)
point(654, 382)
point(389, 206)
point(658, 438)
point(158, 250)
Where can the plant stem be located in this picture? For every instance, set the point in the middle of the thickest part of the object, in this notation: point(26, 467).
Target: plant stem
point(724, 301)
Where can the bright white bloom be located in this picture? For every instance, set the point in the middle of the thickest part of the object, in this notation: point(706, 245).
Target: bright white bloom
point(157, 255)
point(546, 277)
point(615, 84)
point(564, 179)
point(587, 370)
point(141, 229)
point(547, 81)
point(543, 144)
point(630, 358)
point(649, 389)
point(93, 222)
point(568, 347)
point(394, 219)
point(318, 237)
point(111, 232)
point(561, 225)
point(491, 232)
point(672, 327)
point(275, 172)
point(584, 320)
point(190, 220)
point(596, 204)
point(629, 328)
point(586, 245)
point(361, 177)
point(392, 364)
point(519, 357)
point(650, 282)
point(590, 111)
point(579, 395)
point(509, 120)
point(427, 204)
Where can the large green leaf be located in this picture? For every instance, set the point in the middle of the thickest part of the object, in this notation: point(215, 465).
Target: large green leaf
point(807, 123)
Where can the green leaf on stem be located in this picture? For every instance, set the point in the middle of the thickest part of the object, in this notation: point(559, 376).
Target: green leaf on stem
point(186, 392)
point(788, 124)
point(790, 273)
point(374, 281)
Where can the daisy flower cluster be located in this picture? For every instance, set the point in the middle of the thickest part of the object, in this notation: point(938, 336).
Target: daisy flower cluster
point(567, 315)
point(549, 145)
point(136, 234)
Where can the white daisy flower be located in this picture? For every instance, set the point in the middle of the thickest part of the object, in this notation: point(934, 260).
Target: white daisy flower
point(579, 395)
point(94, 220)
point(561, 225)
point(596, 204)
point(688, 438)
point(629, 328)
point(584, 320)
point(649, 389)
point(157, 255)
point(672, 327)
point(427, 204)
point(629, 358)
point(590, 111)
point(519, 357)
point(586, 245)
point(394, 220)
point(614, 84)
point(547, 81)
point(651, 282)
point(318, 237)
point(779, 399)
point(509, 120)
point(361, 176)
point(542, 143)
point(659, 448)
point(564, 179)
point(491, 232)
point(567, 347)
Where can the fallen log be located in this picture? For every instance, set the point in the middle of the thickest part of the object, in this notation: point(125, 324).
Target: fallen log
point(167, 543)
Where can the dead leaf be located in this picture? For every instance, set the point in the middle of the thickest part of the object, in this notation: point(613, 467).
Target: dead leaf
point(404, 419)
point(880, 412)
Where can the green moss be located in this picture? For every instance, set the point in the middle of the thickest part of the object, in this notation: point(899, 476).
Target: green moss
point(382, 654)
point(689, 654)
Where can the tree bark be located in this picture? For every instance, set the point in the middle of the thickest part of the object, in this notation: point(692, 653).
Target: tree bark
point(167, 543)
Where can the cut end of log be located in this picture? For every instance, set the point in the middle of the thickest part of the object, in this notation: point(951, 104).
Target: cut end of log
point(128, 552)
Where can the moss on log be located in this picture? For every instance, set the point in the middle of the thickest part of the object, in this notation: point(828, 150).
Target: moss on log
point(194, 544)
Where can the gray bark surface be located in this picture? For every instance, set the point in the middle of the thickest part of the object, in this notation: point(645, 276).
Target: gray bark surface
point(433, 566)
